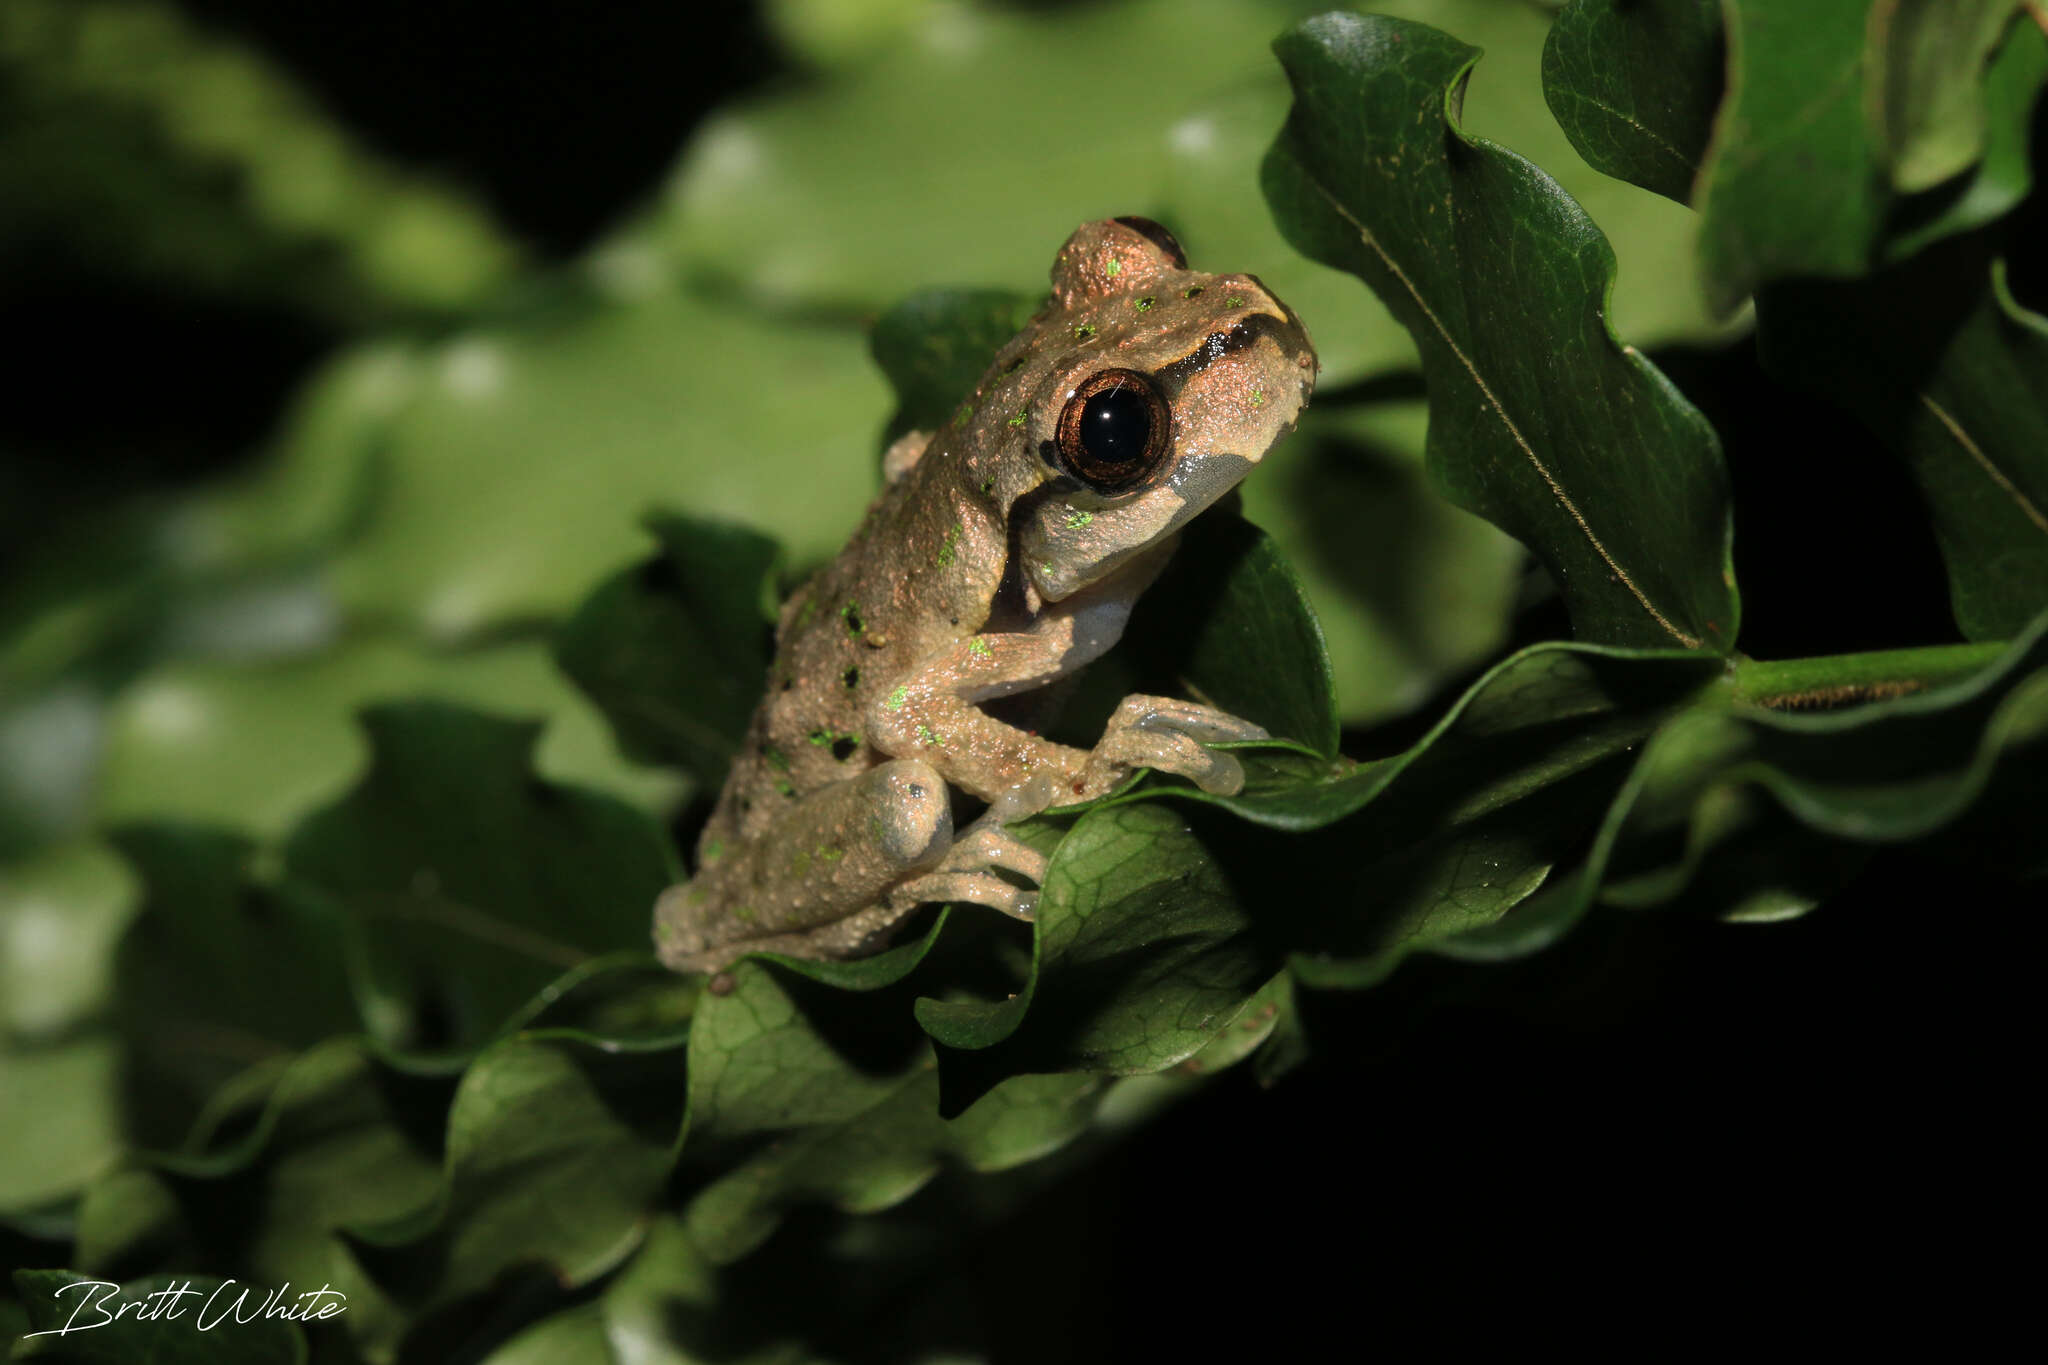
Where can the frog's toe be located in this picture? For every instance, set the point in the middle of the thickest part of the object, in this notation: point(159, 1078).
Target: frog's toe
point(1171, 751)
point(984, 845)
point(1191, 718)
point(1170, 735)
point(972, 888)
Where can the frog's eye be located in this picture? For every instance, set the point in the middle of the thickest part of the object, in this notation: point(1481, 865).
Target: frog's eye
point(1114, 431)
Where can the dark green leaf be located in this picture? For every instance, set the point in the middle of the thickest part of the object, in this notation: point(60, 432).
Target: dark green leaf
point(1635, 84)
point(1458, 830)
point(675, 649)
point(652, 1311)
point(1410, 590)
point(1952, 375)
point(150, 144)
point(935, 345)
point(1229, 623)
point(1540, 420)
point(1532, 719)
point(99, 1338)
point(218, 974)
point(470, 883)
point(1885, 772)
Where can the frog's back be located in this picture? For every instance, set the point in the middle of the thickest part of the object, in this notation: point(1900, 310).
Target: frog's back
point(917, 576)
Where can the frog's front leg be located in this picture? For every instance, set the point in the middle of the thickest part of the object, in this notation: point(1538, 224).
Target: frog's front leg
point(936, 717)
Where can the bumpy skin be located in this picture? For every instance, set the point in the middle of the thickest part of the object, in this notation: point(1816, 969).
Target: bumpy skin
point(982, 570)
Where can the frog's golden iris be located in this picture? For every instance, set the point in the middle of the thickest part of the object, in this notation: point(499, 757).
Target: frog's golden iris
point(1114, 431)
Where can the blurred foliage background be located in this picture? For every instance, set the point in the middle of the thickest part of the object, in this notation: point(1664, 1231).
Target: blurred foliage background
point(353, 343)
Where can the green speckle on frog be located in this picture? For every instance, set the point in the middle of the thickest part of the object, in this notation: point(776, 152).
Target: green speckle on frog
point(1006, 552)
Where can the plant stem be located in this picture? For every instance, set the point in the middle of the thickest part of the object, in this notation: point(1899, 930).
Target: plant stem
point(1837, 679)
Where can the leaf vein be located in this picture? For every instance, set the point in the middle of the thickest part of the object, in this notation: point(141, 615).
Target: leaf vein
point(1991, 471)
point(1557, 490)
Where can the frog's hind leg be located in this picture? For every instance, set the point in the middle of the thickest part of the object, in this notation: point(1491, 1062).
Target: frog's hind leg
point(815, 883)
point(966, 873)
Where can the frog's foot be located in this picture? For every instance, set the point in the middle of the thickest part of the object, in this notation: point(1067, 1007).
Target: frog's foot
point(985, 844)
point(1169, 735)
point(970, 888)
point(965, 874)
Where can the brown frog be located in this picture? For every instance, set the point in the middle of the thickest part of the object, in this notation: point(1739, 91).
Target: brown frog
point(1005, 552)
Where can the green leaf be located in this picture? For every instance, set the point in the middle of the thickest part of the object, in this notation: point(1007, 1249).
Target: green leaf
point(825, 1059)
point(500, 470)
point(1635, 84)
point(61, 1125)
point(470, 883)
point(775, 1051)
point(2004, 174)
point(935, 345)
point(100, 1338)
point(1142, 954)
point(1613, 479)
point(61, 916)
point(860, 1129)
point(200, 991)
point(674, 651)
point(1933, 56)
point(1180, 145)
point(342, 1137)
point(49, 748)
point(1838, 106)
point(558, 1143)
point(258, 745)
point(1952, 375)
point(757, 181)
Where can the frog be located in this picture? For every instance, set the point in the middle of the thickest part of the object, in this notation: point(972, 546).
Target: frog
point(1005, 551)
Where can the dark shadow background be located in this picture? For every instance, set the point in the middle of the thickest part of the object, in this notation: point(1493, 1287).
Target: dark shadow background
point(1660, 1127)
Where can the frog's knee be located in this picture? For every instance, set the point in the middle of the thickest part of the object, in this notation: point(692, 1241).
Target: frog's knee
point(911, 817)
point(890, 724)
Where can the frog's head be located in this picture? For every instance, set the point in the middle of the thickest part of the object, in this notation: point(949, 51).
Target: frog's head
point(1150, 390)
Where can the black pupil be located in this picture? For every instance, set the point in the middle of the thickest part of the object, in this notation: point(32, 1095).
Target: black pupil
point(1116, 426)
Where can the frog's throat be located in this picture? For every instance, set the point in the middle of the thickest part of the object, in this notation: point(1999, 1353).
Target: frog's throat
point(1094, 553)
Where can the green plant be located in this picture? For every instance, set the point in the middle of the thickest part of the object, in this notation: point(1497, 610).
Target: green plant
point(396, 1030)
